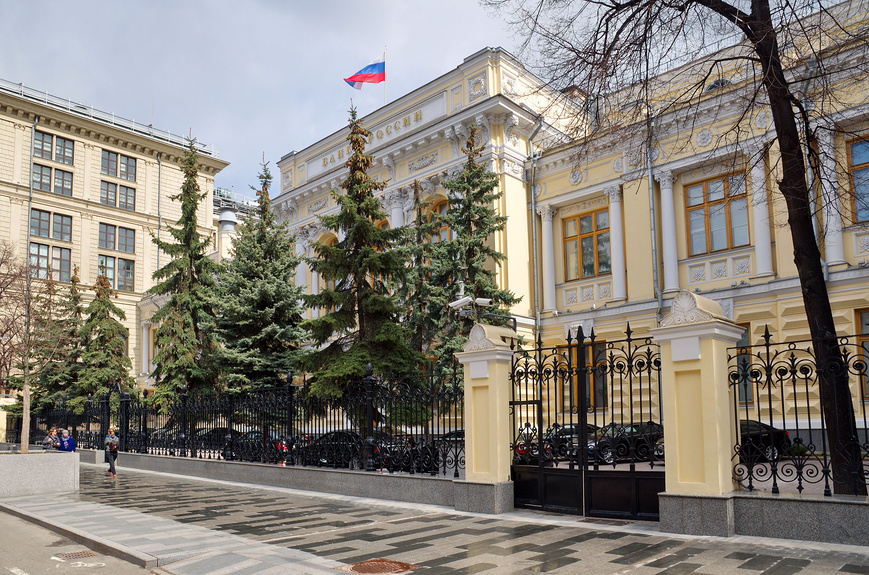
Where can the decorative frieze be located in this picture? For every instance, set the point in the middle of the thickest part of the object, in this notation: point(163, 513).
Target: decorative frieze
point(317, 205)
point(584, 206)
point(575, 177)
point(422, 162)
point(703, 138)
point(511, 125)
point(477, 87)
point(729, 267)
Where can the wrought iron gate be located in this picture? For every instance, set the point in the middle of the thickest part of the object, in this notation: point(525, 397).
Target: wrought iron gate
point(588, 433)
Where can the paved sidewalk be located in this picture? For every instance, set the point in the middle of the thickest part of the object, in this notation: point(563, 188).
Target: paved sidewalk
point(195, 527)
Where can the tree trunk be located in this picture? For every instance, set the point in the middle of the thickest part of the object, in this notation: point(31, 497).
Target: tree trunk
point(836, 401)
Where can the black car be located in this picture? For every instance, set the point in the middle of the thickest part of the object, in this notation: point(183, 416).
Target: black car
point(345, 448)
point(560, 442)
point(759, 441)
point(616, 441)
point(254, 446)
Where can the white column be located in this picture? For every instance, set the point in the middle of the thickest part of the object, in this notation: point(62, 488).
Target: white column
point(145, 335)
point(315, 283)
point(759, 212)
point(547, 265)
point(834, 251)
point(668, 231)
point(394, 202)
point(617, 243)
point(301, 250)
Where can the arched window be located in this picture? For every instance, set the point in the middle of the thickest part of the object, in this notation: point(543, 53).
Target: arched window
point(443, 233)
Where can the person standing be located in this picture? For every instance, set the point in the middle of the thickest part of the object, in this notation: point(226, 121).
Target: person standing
point(51, 441)
point(112, 445)
point(67, 443)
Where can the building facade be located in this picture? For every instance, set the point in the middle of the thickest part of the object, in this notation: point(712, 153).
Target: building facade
point(604, 230)
point(101, 188)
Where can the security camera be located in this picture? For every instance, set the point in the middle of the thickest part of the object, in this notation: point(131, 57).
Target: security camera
point(483, 301)
point(460, 303)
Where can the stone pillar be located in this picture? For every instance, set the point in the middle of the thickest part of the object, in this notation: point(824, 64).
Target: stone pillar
point(668, 231)
point(145, 327)
point(759, 212)
point(547, 265)
point(617, 243)
point(699, 416)
point(394, 202)
point(301, 251)
point(834, 251)
point(487, 360)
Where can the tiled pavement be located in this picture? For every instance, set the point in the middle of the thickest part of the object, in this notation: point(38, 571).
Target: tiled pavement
point(197, 527)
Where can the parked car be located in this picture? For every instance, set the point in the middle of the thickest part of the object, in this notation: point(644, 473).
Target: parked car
point(253, 446)
point(564, 441)
point(615, 441)
point(345, 448)
point(759, 441)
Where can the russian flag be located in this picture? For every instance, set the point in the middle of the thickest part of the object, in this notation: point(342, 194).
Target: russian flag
point(373, 73)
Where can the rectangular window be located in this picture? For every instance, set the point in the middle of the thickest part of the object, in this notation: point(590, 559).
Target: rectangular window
point(63, 182)
point(61, 259)
point(744, 381)
point(717, 214)
point(107, 236)
point(127, 198)
point(42, 145)
point(106, 266)
point(108, 193)
point(63, 151)
point(126, 276)
point(858, 153)
point(62, 228)
point(127, 240)
point(39, 260)
point(587, 245)
point(127, 168)
point(40, 223)
point(41, 178)
point(863, 343)
point(109, 163)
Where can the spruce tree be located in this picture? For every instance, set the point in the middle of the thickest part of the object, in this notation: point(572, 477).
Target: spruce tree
point(104, 360)
point(360, 320)
point(467, 263)
point(258, 303)
point(185, 344)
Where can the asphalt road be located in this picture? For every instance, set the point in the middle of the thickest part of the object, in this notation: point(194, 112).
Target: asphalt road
point(27, 549)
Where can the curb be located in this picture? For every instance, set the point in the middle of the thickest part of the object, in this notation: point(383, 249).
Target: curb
point(98, 544)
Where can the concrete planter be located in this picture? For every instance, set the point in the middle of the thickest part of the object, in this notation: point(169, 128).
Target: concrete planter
point(38, 472)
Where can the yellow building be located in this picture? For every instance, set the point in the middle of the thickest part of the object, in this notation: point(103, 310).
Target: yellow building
point(101, 188)
point(602, 233)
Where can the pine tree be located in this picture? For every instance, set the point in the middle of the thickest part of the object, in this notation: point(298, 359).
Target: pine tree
point(59, 319)
point(185, 344)
point(466, 264)
point(258, 304)
point(362, 323)
point(104, 360)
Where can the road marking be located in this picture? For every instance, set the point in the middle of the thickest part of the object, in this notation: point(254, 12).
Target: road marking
point(16, 570)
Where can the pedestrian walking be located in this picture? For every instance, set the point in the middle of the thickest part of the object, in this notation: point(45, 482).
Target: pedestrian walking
point(51, 441)
point(112, 445)
point(67, 443)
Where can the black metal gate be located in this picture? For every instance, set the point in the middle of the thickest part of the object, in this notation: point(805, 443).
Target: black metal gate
point(588, 434)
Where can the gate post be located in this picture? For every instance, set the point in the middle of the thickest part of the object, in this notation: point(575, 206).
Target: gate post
point(698, 416)
point(487, 359)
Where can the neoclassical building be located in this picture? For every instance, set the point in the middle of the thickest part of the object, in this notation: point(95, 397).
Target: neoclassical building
point(101, 188)
point(605, 230)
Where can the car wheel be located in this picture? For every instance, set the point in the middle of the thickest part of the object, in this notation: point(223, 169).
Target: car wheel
point(770, 452)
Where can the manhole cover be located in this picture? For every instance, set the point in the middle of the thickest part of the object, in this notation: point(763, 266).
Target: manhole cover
point(379, 566)
point(77, 555)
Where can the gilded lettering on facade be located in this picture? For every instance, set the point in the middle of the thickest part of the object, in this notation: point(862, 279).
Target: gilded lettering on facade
point(388, 130)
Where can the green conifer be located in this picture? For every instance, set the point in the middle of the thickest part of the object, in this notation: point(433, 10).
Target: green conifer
point(258, 303)
point(359, 319)
point(185, 344)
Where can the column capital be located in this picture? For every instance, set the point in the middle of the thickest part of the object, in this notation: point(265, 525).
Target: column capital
point(754, 149)
point(664, 177)
point(546, 212)
point(613, 193)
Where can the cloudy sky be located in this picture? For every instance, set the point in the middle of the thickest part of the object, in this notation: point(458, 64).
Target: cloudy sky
point(248, 77)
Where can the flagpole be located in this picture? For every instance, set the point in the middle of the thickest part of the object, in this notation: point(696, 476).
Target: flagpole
point(384, 77)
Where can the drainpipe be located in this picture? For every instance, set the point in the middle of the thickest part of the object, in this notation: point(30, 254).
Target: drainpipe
point(534, 157)
point(659, 295)
point(25, 413)
point(159, 195)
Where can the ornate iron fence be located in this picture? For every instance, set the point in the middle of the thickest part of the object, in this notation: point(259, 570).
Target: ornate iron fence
point(781, 438)
point(412, 425)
